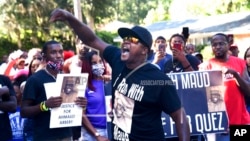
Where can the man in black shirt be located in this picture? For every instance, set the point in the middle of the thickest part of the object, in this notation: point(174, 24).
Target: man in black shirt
point(137, 105)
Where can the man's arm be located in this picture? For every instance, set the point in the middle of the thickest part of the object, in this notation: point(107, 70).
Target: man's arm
point(9, 106)
point(86, 35)
point(27, 110)
point(8, 101)
point(181, 124)
point(242, 81)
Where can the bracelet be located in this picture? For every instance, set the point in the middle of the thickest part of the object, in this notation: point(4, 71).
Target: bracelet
point(43, 107)
point(187, 67)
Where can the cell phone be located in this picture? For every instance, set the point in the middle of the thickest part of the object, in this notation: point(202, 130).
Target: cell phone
point(185, 32)
point(177, 46)
point(161, 47)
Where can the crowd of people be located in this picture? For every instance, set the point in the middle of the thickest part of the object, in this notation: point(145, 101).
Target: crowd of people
point(136, 109)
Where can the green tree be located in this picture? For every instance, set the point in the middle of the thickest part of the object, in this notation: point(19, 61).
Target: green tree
point(97, 11)
point(133, 11)
point(25, 22)
point(160, 13)
point(214, 7)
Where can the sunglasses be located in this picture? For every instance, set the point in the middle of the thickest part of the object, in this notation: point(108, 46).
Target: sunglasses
point(131, 39)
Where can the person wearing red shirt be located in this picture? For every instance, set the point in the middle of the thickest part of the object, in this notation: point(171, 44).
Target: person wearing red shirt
point(235, 78)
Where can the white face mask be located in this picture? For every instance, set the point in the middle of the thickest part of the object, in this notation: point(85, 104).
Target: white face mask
point(98, 69)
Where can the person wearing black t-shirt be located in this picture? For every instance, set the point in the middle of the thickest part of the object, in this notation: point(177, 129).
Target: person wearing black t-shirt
point(35, 104)
point(181, 61)
point(137, 106)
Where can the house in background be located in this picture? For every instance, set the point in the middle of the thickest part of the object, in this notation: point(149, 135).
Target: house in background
point(201, 29)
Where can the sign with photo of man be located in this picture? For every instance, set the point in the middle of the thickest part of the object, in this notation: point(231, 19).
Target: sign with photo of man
point(71, 86)
point(201, 93)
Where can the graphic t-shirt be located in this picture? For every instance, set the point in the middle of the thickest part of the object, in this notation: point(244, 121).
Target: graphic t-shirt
point(16, 125)
point(139, 100)
point(174, 66)
point(234, 99)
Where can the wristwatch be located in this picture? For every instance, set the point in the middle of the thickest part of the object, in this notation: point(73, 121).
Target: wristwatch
point(97, 134)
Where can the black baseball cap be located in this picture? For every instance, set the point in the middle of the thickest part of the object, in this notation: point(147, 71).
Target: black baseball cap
point(139, 32)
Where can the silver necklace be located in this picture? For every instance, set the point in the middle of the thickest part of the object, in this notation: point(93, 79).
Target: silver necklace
point(50, 74)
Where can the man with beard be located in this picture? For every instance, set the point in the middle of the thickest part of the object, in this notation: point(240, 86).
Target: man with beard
point(235, 78)
point(142, 104)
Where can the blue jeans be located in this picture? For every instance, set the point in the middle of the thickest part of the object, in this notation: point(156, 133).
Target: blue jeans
point(86, 136)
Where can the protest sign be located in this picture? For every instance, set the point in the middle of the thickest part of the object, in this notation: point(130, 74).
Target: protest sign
point(50, 89)
point(69, 114)
point(202, 96)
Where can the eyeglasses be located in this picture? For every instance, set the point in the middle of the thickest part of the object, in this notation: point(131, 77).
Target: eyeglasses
point(131, 39)
point(219, 43)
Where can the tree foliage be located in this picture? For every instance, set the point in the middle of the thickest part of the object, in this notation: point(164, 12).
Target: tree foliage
point(135, 11)
point(24, 23)
point(214, 7)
